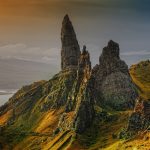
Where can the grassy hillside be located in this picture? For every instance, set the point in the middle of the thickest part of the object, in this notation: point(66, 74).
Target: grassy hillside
point(140, 74)
point(30, 123)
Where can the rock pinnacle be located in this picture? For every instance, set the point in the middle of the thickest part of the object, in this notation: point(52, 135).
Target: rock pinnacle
point(70, 52)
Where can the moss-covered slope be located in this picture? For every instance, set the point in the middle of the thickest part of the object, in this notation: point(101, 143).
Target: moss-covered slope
point(140, 74)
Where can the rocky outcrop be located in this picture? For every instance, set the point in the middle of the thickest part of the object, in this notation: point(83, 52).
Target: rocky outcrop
point(71, 96)
point(84, 66)
point(84, 61)
point(110, 60)
point(79, 102)
point(70, 52)
point(140, 118)
point(84, 111)
point(112, 79)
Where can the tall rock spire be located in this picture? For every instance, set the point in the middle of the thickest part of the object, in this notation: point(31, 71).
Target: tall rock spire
point(70, 52)
point(111, 51)
point(112, 79)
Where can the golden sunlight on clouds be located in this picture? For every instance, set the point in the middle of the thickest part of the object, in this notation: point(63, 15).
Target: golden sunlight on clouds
point(37, 23)
point(28, 7)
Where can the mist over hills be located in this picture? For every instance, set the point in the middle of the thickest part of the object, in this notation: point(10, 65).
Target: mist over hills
point(16, 72)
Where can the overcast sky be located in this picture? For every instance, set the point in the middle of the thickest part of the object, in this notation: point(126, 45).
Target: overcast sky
point(30, 29)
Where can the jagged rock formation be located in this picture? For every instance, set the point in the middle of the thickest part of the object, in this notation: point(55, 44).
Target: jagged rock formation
point(84, 60)
point(68, 103)
point(79, 99)
point(112, 79)
point(140, 118)
point(85, 105)
point(70, 52)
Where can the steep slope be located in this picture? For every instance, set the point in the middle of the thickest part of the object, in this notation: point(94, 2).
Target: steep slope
point(140, 118)
point(137, 130)
point(58, 105)
point(79, 108)
point(47, 107)
point(140, 74)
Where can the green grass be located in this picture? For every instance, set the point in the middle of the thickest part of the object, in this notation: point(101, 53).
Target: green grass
point(140, 74)
point(102, 134)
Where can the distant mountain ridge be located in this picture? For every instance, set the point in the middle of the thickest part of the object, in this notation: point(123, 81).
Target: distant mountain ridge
point(16, 73)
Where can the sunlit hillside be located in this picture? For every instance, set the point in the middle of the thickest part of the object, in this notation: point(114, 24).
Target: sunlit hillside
point(103, 133)
point(140, 74)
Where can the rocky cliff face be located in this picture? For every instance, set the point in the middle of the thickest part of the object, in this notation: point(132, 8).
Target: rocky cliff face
point(79, 100)
point(69, 101)
point(70, 52)
point(85, 106)
point(112, 79)
point(140, 118)
point(80, 87)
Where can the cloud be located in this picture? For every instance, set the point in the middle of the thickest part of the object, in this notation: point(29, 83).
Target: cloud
point(136, 53)
point(24, 52)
